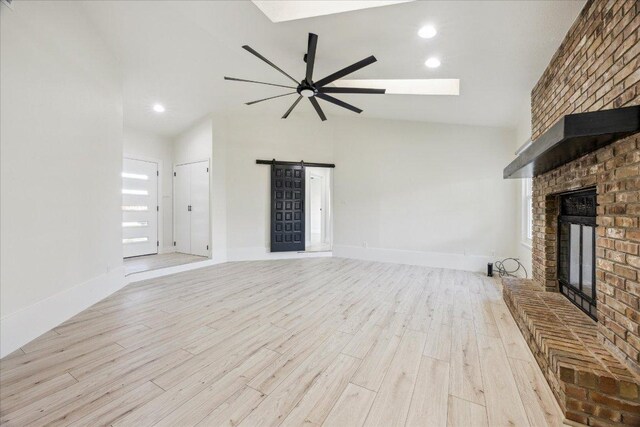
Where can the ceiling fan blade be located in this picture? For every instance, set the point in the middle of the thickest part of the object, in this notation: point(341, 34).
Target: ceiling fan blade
point(318, 109)
point(311, 55)
point(271, 97)
point(249, 49)
point(351, 90)
point(292, 107)
point(254, 81)
point(342, 104)
point(347, 70)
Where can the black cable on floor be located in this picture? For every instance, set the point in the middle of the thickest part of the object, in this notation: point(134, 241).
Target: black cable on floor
point(503, 272)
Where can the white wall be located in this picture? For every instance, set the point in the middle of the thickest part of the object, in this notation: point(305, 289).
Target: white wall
point(61, 156)
point(197, 144)
point(523, 134)
point(248, 185)
point(428, 194)
point(145, 146)
point(403, 191)
point(219, 193)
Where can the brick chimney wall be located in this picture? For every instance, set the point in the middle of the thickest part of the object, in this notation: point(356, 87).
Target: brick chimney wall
point(597, 67)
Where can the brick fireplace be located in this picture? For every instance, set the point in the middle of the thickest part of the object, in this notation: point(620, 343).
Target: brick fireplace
point(597, 67)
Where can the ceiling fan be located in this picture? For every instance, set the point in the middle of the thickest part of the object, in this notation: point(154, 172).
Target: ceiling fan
point(310, 89)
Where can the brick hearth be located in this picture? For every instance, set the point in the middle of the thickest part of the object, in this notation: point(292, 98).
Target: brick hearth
point(591, 385)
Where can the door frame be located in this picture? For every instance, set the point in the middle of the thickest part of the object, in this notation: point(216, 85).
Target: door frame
point(159, 216)
point(323, 206)
point(327, 213)
point(173, 195)
point(305, 165)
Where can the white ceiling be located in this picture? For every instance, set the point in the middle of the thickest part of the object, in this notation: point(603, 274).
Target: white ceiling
point(177, 52)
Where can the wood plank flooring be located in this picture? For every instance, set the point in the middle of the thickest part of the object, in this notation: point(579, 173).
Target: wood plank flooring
point(318, 342)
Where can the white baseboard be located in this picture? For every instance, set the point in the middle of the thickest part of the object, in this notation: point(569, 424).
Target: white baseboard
point(475, 263)
point(152, 274)
point(23, 326)
point(262, 253)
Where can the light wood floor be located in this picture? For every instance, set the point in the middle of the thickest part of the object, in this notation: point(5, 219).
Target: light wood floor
point(324, 341)
point(154, 262)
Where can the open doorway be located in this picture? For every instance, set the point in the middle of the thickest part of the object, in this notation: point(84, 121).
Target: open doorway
point(318, 217)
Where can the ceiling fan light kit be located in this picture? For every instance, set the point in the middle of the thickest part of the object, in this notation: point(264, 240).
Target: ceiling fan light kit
point(311, 90)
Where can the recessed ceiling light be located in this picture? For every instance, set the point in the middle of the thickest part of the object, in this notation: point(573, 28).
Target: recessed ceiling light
point(158, 108)
point(432, 62)
point(427, 32)
point(407, 86)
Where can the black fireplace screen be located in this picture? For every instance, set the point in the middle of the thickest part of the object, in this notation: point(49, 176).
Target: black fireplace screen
point(576, 249)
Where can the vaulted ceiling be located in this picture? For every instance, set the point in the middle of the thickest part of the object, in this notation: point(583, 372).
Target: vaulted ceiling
point(177, 52)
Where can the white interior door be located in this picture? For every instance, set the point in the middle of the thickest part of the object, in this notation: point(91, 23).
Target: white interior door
point(191, 208)
point(139, 207)
point(181, 214)
point(199, 208)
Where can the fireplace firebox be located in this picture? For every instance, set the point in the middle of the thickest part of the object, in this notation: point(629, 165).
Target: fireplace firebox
point(576, 249)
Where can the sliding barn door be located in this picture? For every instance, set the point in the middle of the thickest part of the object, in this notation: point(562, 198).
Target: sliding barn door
point(287, 208)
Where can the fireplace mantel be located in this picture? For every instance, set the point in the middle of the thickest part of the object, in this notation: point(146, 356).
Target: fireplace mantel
point(573, 136)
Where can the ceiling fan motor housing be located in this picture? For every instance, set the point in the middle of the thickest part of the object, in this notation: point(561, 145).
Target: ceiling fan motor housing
point(307, 90)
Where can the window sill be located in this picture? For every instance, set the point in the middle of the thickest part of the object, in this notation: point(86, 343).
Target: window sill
point(527, 244)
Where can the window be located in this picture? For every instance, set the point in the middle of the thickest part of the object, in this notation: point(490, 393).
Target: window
point(527, 211)
point(135, 192)
point(135, 240)
point(139, 208)
point(129, 224)
point(135, 176)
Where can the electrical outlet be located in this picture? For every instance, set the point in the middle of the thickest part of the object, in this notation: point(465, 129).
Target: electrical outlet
point(364, 244)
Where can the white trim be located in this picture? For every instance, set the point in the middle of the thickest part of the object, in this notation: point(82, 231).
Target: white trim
point(27, 324)
point(152, 274)
point(260, 253)
point(208, 160)
point(475, 263)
